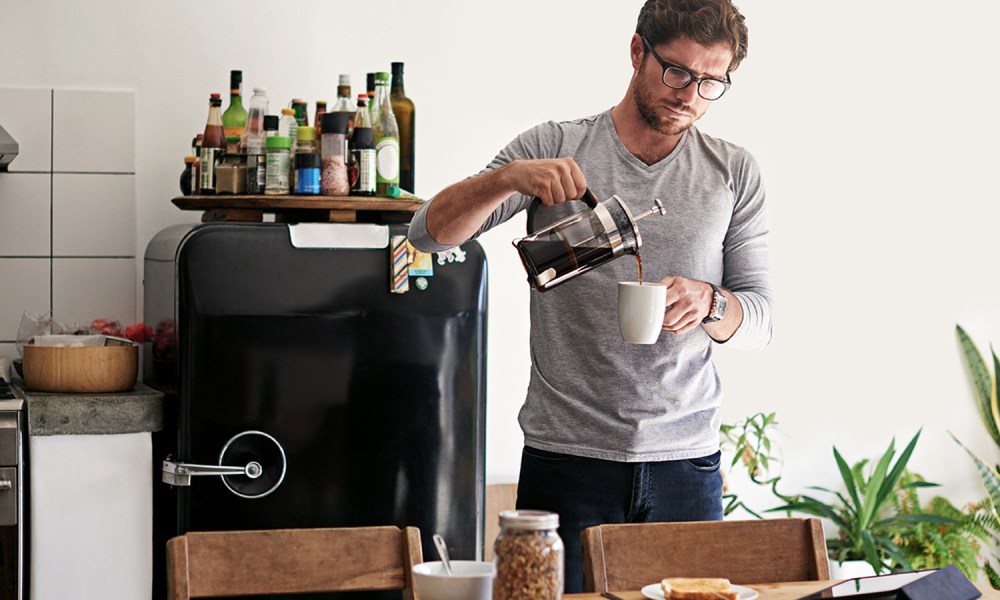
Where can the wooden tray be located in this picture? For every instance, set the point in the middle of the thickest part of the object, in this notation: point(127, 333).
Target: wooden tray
point(300, 209)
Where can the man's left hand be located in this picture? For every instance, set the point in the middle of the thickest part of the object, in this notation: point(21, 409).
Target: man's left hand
point(688, 303)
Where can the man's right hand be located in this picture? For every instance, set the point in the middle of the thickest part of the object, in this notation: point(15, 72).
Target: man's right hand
point(552, 180)
point(461, 208)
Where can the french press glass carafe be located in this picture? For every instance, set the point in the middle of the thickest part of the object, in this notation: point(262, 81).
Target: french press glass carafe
point(579, 242)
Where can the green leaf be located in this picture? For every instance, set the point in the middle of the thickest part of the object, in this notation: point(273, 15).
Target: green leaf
point(897, 471)
point(992, 575)
point(847, 476)
point(991, 479)
point(983, 383)
point(873, 488)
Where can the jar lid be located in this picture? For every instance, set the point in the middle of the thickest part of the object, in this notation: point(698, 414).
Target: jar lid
point(308, 160)
point(278, 141)
point(188, 160)
point(306, 133)
point(335, 122)
point(288, 111)
point(532, 520)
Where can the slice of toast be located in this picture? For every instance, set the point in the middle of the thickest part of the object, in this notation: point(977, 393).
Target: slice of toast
point(697, 588)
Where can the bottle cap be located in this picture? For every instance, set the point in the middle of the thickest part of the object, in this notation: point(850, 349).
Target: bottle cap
point(320, 103)
point(335, 122)
point(215, 97)
point(233, 139)
point(190, 159)
point(362, 98)
point(397, 66)
point(235, 77)
point(260, 90)
point(270, 122)
point(381, 77)
point(278, 141)
point(199, 137)
point(297, 101)
point(306, 133)
point(288, 111)
point(307, 160)
point(344, 79)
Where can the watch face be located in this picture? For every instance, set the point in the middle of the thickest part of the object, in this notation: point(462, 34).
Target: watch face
point(720, 305)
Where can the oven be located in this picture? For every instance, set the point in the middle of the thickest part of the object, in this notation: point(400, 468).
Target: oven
point(13, 496)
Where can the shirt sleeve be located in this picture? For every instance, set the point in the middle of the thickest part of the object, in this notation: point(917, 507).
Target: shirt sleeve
point(746, 259)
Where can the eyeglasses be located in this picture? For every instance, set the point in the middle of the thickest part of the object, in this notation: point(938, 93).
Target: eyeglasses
point(679, 78)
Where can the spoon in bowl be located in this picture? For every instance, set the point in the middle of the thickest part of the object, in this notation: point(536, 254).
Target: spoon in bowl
point(443, 551)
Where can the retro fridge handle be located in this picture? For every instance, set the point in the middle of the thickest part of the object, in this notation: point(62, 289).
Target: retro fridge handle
point(179, 473)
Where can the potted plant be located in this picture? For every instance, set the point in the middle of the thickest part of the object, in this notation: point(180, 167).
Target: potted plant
point(932, 545)
point(863, 513)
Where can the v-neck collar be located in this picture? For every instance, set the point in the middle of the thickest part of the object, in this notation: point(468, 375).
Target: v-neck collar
point(631, 158)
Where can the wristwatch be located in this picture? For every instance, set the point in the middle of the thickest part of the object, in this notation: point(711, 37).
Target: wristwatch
point(718, 309)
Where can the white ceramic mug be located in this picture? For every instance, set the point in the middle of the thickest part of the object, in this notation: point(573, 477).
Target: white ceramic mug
point(640, 311)
point(470, 580)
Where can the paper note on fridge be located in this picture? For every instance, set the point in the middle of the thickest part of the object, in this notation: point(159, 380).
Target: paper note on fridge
point(339, 235)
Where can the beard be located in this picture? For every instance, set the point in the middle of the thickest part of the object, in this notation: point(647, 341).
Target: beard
point(649, 108)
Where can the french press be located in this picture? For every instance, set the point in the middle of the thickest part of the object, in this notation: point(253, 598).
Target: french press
point(580, 242)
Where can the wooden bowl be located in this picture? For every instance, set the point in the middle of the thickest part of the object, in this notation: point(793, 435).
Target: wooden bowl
point(81, 369)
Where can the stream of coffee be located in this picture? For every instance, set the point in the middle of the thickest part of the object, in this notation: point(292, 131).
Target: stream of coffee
point(638, 261)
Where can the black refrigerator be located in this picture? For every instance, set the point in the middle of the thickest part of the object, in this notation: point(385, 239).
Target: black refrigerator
point(318, 375)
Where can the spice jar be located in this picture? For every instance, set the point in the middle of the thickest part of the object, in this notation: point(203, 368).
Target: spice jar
point(334, 180)
point(278, 165)
point(231, 174)
point(529, 556)
point(307, 173)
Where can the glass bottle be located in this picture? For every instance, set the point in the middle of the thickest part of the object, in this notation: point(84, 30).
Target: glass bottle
point(187, 176)
point(299, 108)
point(234, 120)
point(288, 126)
point(305, 140)
point(386, 137)
point(362, 166)
point(213, 145)
point(403, 108)
point(320, 111)
point(529, 556)
point(345, 103)
point(252, 141)
point(370, 87)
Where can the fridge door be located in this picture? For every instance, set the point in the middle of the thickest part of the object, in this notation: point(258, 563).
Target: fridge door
point(360, 406)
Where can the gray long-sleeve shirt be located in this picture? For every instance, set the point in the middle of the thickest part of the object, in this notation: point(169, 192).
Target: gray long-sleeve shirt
point(591, 394)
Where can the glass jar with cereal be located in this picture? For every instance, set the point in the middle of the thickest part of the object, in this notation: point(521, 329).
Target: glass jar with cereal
point(529, 556)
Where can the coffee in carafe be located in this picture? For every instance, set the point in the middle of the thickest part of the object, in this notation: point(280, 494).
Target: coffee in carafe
point(579, 242)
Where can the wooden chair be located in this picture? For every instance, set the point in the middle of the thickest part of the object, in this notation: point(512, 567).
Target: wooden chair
point(284, 561)
point(499, 497)
point(627, 557)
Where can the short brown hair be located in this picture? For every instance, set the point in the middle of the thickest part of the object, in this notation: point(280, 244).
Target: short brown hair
point(707, 22)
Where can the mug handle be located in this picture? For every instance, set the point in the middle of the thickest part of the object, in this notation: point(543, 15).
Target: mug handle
point(588, 198)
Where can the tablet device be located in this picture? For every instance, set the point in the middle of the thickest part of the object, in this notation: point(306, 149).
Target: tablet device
point(871, 588)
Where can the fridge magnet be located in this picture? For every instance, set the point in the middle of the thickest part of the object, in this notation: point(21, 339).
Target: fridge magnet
point(421, 283)
point(399, 271)
point(421, 263)
point(455, 254)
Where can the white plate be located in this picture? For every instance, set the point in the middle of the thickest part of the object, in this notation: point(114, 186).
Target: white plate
point(655, 592)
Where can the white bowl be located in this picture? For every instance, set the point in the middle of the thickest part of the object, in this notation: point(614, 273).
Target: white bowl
point(470, 580)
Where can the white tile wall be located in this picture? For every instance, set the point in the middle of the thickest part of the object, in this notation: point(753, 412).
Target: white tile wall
point(93, 131)
point(77, 199)
point(25, 289)
point(24, 214)
point(26, 114)
point(93, 215)
point(84, 289)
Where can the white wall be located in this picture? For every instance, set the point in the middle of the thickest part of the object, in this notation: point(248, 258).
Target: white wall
point(873, 122)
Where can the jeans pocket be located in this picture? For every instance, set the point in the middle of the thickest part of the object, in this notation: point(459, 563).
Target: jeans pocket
point(546, 456)
point(707, 464)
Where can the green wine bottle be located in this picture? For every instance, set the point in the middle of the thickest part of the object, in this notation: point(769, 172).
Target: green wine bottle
point(234, 120)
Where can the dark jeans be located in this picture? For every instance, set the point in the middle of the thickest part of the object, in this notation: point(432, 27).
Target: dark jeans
point(589, 491)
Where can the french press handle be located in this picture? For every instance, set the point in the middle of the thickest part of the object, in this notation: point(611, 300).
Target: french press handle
point(588, 197)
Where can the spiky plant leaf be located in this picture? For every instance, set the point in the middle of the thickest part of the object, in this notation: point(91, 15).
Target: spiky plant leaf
point(983, 382)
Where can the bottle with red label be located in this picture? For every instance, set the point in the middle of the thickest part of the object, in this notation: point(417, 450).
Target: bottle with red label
point(213, 145)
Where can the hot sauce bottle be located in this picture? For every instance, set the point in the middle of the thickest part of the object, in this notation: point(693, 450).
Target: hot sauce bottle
point(213, 145)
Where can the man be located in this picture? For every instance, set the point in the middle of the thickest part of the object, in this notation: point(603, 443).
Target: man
point(616, 432)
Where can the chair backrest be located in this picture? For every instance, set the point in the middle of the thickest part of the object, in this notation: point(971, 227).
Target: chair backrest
point(628, 557)
point(284, 561)
point(499, 497)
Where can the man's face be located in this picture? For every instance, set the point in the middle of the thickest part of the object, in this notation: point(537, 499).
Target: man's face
point(667, 110)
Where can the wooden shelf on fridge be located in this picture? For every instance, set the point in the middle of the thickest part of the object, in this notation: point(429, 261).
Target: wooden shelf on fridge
point(301, 209)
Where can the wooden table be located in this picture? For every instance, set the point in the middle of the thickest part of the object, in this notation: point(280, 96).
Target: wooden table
point(770, 591)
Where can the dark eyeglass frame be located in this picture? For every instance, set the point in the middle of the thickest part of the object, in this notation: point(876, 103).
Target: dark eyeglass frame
point(691, 78)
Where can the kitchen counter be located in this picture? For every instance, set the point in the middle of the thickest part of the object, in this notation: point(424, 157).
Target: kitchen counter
point(139, 410)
